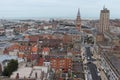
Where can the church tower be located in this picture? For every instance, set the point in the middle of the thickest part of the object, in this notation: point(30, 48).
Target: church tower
point(78, 21)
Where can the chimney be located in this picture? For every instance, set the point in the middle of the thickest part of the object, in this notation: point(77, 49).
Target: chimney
point(36, 75)
point(17, 76)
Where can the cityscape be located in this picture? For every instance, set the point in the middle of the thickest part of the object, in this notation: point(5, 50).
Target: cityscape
point(60, 48)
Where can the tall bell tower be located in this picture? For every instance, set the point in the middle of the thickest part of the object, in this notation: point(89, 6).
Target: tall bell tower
point(78, 21)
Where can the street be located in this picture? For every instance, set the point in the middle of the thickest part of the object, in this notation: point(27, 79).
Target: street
point(93, 70)
point(91, 66)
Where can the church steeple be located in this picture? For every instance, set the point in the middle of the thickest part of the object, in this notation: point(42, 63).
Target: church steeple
point(78, 21)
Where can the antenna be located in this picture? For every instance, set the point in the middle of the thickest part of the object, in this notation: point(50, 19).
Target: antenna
point(78, 14)
point(104, 7)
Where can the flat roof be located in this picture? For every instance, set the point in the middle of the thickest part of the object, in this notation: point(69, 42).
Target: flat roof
point(29, 72)
point(7, 57)
point(4, 44)
point(23, 73)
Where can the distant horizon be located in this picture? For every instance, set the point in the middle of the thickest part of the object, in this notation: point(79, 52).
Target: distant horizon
point(43, 18)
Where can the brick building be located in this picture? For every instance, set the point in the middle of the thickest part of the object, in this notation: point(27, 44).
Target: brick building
point(61, 63)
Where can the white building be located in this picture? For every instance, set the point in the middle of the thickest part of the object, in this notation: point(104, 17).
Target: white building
point(9, 32)
point(110, 63)
point(36, 72)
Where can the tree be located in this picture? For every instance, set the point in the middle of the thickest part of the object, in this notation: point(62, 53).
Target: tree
point(11, 67)
point(71, 45)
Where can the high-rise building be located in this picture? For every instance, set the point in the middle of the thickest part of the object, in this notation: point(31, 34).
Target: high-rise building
point(78, 21)
point(104, 20)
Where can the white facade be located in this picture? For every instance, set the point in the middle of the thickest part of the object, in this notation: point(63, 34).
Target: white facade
point(108, 69)
point(37, 72)
point(45, 53)
point(23, 73)
point(9, 32)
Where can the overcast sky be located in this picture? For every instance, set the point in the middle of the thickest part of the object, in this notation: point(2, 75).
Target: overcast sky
point(57, 8)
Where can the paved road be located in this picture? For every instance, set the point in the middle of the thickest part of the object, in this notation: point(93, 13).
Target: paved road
point(93, 70)
point(88, 54)
point(91, 66)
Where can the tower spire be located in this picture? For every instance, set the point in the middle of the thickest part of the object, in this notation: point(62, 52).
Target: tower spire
point(78, 21)
point(78, 14)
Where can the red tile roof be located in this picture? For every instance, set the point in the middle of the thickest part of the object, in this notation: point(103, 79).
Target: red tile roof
point(35, 49)
point(40, 62)
point(46, 49)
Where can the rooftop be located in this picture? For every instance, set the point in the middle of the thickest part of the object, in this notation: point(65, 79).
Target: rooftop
point(105, 43)
point(23, 72)
point(111, 35)
point(7, 57)
point(4, 44)
point(29, 72)
point(114, 61)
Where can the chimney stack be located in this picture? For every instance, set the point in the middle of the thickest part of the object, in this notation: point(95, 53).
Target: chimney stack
point(17, 76)
point(36, 75)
